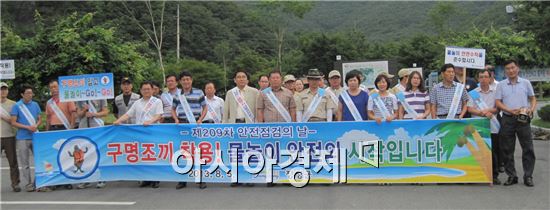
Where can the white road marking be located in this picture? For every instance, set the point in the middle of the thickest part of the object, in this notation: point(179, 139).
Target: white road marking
point(105, 203)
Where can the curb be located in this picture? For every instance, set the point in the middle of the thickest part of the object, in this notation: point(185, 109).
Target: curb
point(537, 129)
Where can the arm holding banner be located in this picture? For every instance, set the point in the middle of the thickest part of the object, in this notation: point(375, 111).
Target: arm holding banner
point(464, 109)
point(156, 118)
point(203, 114)
point(340, 111)
point(175, 116)
point(260, 108)
point(14, 123)
point(400, 112)
point(47, 121)
point(72, 114)
point(130, 113)
point(104, 111)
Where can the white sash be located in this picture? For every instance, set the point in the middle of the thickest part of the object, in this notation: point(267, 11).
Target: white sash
point(313, 105)
point(351, 106)
point(482, 105)
point(282, 110)
point(456, 100)
point(59, 114)
point(146, 110)
point(168, 97)
point(242, 103)
point(406, 105)
point(92, 109)
point(332, 95)
point(380, 104)
point(3, 112)
point(212, 112)
point(186, 108)
point(27, 114)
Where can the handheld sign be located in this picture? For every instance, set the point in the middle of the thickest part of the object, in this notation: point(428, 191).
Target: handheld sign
point(86, 87)
point(465, 57)
point(7, 69)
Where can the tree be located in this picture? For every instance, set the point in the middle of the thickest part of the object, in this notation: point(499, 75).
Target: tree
point(201, 71)
point(422, 50)
point(534, 17)
point(156, 31)
point(278, 14)
point(501, 45)
point(222, 52)
point(71, 46)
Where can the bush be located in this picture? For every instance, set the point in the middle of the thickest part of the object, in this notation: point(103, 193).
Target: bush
point(544, 113)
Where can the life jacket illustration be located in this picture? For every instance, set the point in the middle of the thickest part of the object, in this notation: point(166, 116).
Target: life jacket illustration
point(78, 157)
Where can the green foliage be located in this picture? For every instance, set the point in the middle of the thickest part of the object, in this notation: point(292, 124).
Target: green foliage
point(544, 113)
point(252, 62)
point(201, 71)
point(71, 46)
point(422, 50)
point(500, 45)
point(534, 16)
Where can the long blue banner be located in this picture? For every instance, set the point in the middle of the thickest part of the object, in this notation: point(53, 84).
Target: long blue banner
point(422, 151)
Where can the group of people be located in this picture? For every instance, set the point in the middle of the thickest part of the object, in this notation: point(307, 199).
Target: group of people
point(286, 99)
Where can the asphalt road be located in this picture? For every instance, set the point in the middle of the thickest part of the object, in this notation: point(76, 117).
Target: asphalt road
point(127, 195)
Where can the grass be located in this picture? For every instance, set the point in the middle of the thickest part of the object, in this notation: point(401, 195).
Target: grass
point(541, 123)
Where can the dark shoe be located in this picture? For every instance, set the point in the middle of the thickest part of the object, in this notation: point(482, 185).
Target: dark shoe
point(528, 182)
point(16, 189)
point(44, 189)
point(145, 184)
point(181, 185)
point(235, 184)
point(202, 185)
point(511, 181)
point(68, 186)
point(155, 184)
point(270, 185)
point(496, 181)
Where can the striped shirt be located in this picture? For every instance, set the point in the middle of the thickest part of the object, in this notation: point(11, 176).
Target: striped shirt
point(417, 100)
point(196, 101)
point(442, 97)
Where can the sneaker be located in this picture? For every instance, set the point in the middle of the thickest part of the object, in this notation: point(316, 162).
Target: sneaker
point(145, 183)
point(181, 185)
point(100, 185)
point(16, 189)
point(155, 185)
point(202, 185)
point(83, 185)
point(69, 186)
point(44, 189)
point(29, 188)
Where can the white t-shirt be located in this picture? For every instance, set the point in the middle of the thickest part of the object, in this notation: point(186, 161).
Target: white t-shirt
point(217, 105)
point(143, 110)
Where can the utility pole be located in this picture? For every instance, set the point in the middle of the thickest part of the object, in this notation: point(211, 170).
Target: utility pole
point(178, 35)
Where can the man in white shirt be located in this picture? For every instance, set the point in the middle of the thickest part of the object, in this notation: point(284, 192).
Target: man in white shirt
point(146, 111)
point(214, 104)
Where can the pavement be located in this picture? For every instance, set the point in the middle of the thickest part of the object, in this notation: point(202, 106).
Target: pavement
point(127, 195)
